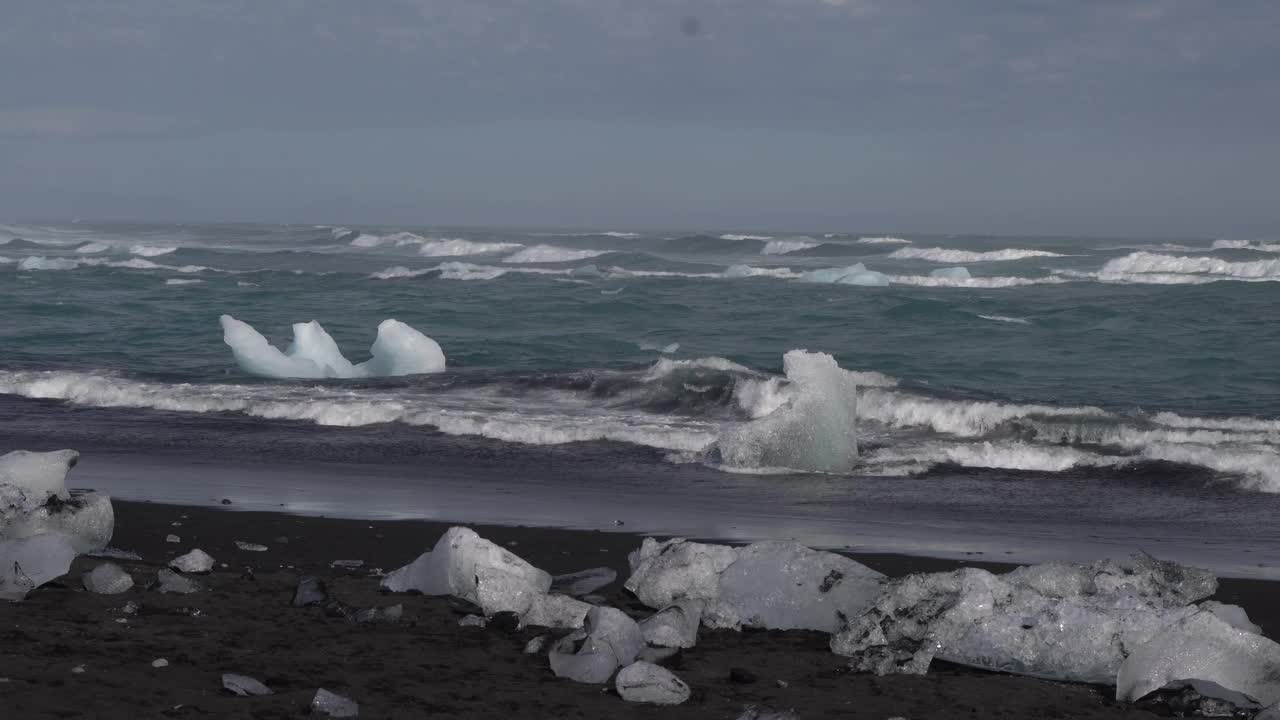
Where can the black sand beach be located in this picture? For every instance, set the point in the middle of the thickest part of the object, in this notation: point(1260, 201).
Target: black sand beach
point(427, 665)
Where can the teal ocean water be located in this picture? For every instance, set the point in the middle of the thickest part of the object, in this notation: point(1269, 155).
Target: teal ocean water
point(984, 381)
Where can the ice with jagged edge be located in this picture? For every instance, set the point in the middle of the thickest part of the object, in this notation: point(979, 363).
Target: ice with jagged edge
point(1062, 621)
point(43, 526)
point(465, 565)
point(397, 350)
point(608, 640)
point(814, 430)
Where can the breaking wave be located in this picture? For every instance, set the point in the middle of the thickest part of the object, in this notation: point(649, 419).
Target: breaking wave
point(789, 245)
point(945, 255)
point(883, 241)
point(551, 254)
point(1165, 269)
point(458, 247)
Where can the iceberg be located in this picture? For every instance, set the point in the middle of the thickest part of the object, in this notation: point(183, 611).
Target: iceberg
point(397, 350)
point(856, 274)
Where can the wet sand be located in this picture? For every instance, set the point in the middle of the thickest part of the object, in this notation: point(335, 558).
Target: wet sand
point(427, 665)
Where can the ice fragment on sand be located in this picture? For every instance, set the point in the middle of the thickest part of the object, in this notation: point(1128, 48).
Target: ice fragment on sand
point(32, 562)
point(583, 582)
point(172, 582)
point(664, 572)
point(310, 591)
point(643, 682)
point(559, 612)
point(472, 621)
point(1197, 698)
point(115, 554)
point(348, 564)
point(332, 705)
point(243, 685)
point(536, 645)
point(159, 663)
point(397, 350)
point(107, 579)
point(1203, 647)
point(675, 626)
point(172, 539)
point(465, 565)
point(196, 561)
point(250, 547)
point(609, 640)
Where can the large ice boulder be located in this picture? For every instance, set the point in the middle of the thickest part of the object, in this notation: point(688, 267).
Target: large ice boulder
point(675, 626)
point(559, 612)
point(397, 350)
point(1203, 646)
point(608, 640)
point(465, 565)
point(662, 572)
point(1060, 620)
point(42, 525)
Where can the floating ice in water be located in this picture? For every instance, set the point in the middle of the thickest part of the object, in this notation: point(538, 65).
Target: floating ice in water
point(196, 561)
point(583, 582)
point(1059, 620)
point(814, 430)
point(465, 565)
point(397, 350)
point(663, 572)
point(664, 349)
point(172, 582)
point(107, 579)
point(643, 682)
point(243, 685)
point(675, 626)
point(608, 640)
point(951, 273)
point(785, 585)
point(856, 274)
point(1203, 647)
point(333, 705)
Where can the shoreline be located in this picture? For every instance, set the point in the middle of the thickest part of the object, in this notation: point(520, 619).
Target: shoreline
point(427, 665)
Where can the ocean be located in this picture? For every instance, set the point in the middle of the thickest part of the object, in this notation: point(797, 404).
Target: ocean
point(1014, 398)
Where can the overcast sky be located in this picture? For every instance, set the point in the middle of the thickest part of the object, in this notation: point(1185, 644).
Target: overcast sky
point(1074, 116)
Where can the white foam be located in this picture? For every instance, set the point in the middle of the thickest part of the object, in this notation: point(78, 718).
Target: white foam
point(458, 247)
point(664, 367)
point(1144, 263)
point(551, 254)
point(986, 283)
point(37, 262)
point(366, 241)
point(664, 349)
point(735, 236)
point(621, 235)
point(782, 247)
point(398, 272)
point(962, 418)
point(93, 247)
point(150, 250)
point(883, 241)
point(950, 257)
point(1246, 245)
point(747, 271)
point(1002, 455)
point(1006, 319)
point(397, 350)
point(182, 281)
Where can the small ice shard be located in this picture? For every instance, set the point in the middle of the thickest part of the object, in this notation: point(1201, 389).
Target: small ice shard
point(559, 612)
point(107, 579)
point(472, 621)
point(196, 561)
point(675, 626)
point(390, 614)
point(664, 572)
point(1203, 647)
point(172, 539)
point(608, 640)
point(115, 554)
point(333, 705)
point(536, 645)
point(397, 350)
point(310, 591)
point(1233, 615)
point(348, 564)
point(78, 669)
point(951, 273)
point(465, 565)
point(583, 582)
point(243, 685)
point(130, 608)
point(250, 547)
point(159, 663)
point(1197, 698)
point(642, 682)
point(172, 582)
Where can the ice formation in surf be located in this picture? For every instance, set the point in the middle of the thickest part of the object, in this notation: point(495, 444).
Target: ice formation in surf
point(397, 350)
point(856, 274)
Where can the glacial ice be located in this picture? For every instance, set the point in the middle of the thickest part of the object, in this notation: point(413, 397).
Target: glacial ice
point(675, 626)
point(333, 705)
point(31, 562)
point(609, 639)
point(1198, 698)
point(559, 612)
point(1233, 615)
point(642, 682)
point(107, 579)
point(663, 572)
point(951, 273)
point(1203, 647)
point(583, 582)
point(196, 561)
point(1060, 620)
point(814, 431)
point(856, 274)
point(243, 685)
point(171, 582)
point(465, 565)
point(397, 350)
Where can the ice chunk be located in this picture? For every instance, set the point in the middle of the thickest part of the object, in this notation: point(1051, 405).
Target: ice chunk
point(814, 430)
point(196, 561)
point(1233, 615)
point(856, 274)
point(397, 350)
point(333, 705)
point(536, 645)
point(310, 591)
point(608, 640)
point(583, 582)
point(675, 626)
point(29, 479)
point(1198, 698)
point(31, 562)
point(389, 615)
point(785, 585)
point(465, 565)
point(951, 273)
point(643, 682)
point(664, 572)
point(159, 663)
point(1203, 647)
point(250, 547)
point(243, 685)
point(1051, 621)
point(172, 539)
point(107, 579)
point(559, 612)
point(472, 621)
point(172, 582)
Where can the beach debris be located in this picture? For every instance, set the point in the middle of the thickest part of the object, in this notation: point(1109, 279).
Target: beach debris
point(536, 645)
point(333, 705)
point(349, 564)
point(43, 527)
point(675, 626)
point(642, 682)
point(159, 663)
point(196, 561)
point(172, 582)
point(559, 612)
point(1197, 698)
point(1203, 647)
point(172, 538)
point(107, 579)
point(311, 591)
point(609, 639)
point(583, 582)
point(113, 553)
point(1059, 620)
point(472, 621)
point(250, 547)
point(765, 712)
point(243, 685)
point(466, 565)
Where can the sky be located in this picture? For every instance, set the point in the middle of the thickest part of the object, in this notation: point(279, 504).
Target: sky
point(1116, 117)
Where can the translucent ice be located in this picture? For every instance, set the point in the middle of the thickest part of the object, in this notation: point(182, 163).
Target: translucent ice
point(29, 479)
point(465, 565)
point(196, 561)
point(856, 274)
point(333, 705)
point(608, 640)
point(107, 579)
point(643, 682)
point(664, 572)
point(951, 273)
point(397, 350)
point(675, 626)
point(814, 430)
point(1233, 615)
point(171, 582)
point(583, 582)
point(31, 562)
point(1203, 647)
point(244, 685)
point(559, 612)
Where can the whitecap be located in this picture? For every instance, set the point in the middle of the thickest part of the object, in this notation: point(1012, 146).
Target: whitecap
point(182, 281)
point(150, 250)
point(949, 256)
point(1006, 319)
point(782, 247)
point(458, 247)
point(551, 254)
point(883, 241)
point(93, 247)
point(736, 236)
